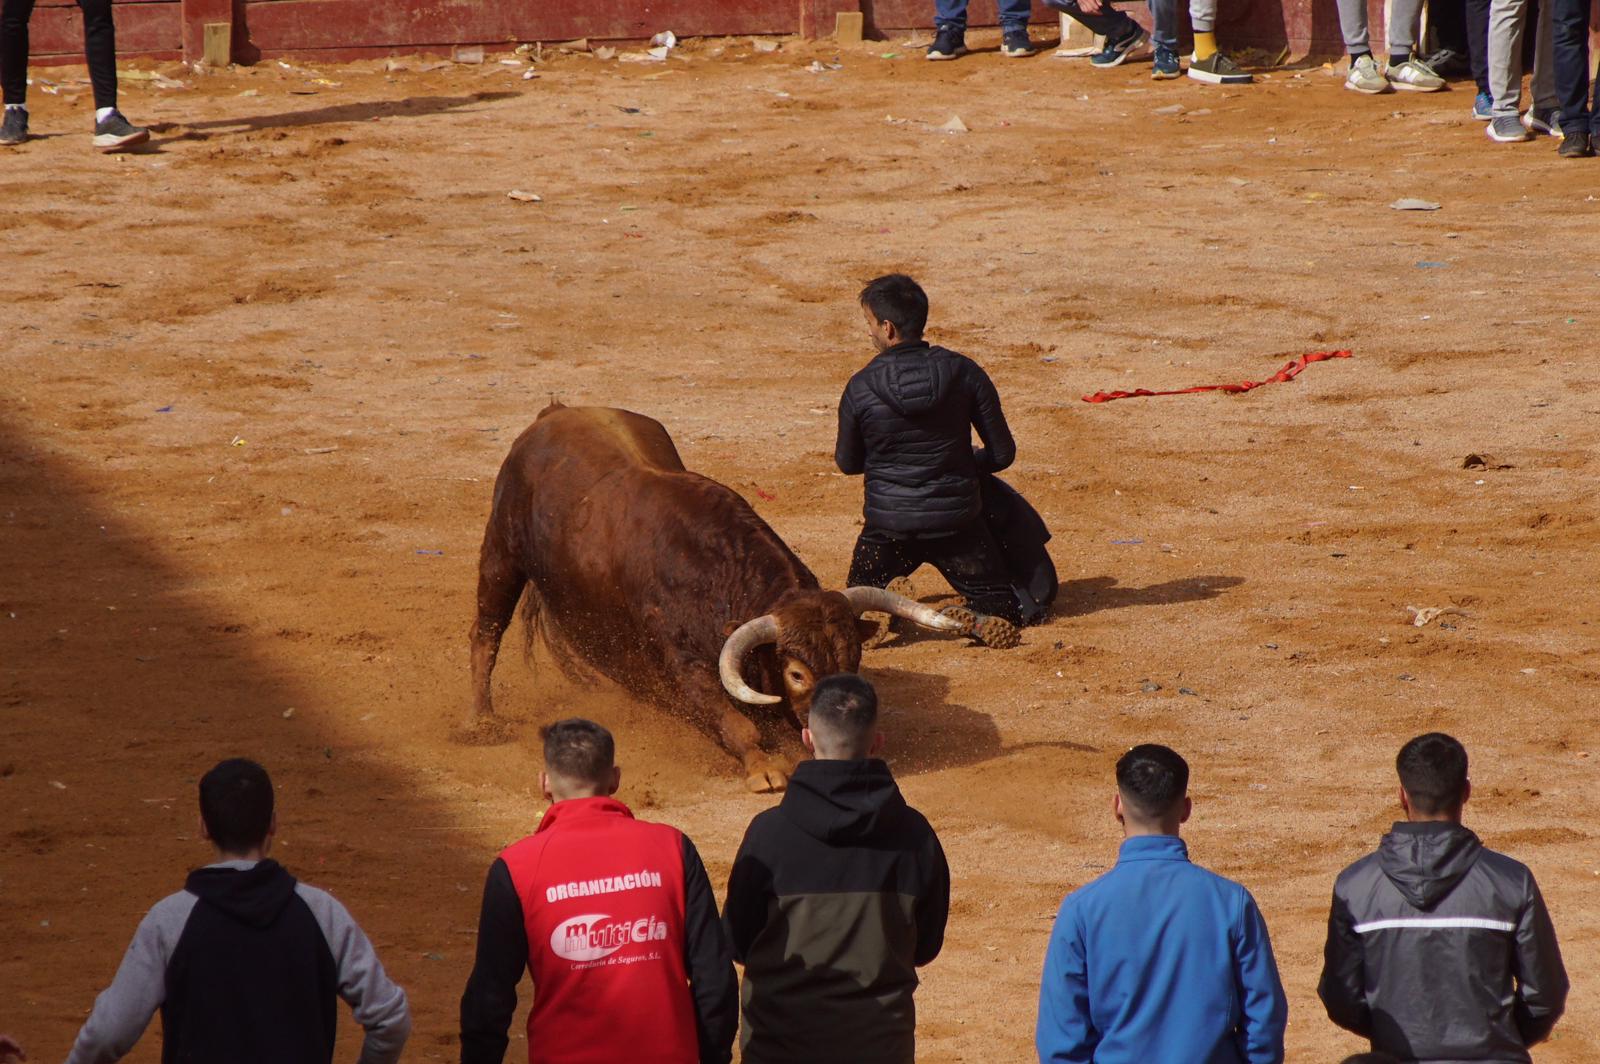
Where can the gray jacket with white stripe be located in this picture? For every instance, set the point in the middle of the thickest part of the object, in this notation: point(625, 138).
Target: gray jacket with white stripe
point(1440, 950)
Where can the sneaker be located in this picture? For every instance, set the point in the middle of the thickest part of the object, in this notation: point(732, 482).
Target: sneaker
point(1414, 76)
point(1449, 63)
point(1218, 70)
point(1544, 120)
point(1365, 77)
point(1483, 107)
point(1165, 65)
point(991, 631)
point(1576, 145)
point(115, 133)
point(14, 130)
point(1115, 53)
point(948, 43)
point(1014, 44)
point(1507, 129)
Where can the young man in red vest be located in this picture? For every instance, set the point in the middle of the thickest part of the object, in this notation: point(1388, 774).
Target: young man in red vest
point(615, 921)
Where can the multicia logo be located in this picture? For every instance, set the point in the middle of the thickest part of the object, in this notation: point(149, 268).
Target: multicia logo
point(596, 935)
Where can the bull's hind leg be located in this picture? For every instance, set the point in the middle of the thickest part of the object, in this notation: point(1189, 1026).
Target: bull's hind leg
point(500, 584)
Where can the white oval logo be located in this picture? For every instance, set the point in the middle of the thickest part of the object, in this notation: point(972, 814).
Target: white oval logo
point(586, 938)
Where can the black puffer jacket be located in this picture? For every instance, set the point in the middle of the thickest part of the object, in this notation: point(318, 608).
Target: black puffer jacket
point(1440, 950)
point(906, 420)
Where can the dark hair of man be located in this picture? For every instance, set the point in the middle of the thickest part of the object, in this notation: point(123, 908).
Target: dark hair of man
point(579, 750)
point(236, 805)
point(897, 298)
point(1433, 770)
point(1152, 779)
point(844, 715)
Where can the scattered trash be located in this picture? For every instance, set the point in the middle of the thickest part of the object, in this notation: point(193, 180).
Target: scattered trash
point(1406, 676)
point(524, 197)
point(524, 49)
point(954, 125)
point(1150, 688)
point(163, 82)
point(1433, 265)
point(665, 40)
point(890, 55)
point(1170, 109)
point(819, 67)
point(1269, 646)
point(434, 956)
point(1421, 616)
point(251, 92)
point(1126, 542)
point(237, 441)
point(1187, 691)
point(58, 785)
point(164, 409)
point(432, 553)
point(767, 495)
point(288, 714)
point(529, 74)
point(579, 45)
point(1413, 205)
point(605, 52)
point(762, 45)
point(1484, 461)
point(471, 55)
point(511, 62)
point(428, 68)
point(318, 450)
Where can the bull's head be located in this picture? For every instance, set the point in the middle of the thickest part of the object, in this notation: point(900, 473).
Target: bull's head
point(814, 634)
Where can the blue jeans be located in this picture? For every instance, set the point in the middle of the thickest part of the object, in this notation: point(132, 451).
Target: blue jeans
point(1569, 32)
point(952, 14)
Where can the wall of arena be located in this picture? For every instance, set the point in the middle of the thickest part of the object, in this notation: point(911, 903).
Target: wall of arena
point(351, 29)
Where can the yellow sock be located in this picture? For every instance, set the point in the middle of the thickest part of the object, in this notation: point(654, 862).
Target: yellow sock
point(1205, 45)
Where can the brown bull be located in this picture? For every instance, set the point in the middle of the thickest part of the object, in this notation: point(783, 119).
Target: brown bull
point(664, 581)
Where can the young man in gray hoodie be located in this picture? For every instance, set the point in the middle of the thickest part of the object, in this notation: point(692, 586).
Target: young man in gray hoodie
point(245, 964)
point(1440, 949)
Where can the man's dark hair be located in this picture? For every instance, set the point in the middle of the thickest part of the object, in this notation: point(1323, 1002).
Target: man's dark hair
point(1433, 770)
point(1152, 779)
point(236, 805)
point(897, 298)
point(844, 712)
point(579, 750)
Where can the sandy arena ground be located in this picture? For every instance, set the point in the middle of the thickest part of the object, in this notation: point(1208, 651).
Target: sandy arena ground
point(258, 380)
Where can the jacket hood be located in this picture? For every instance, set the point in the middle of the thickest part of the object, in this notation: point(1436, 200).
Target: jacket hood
point(842, 801)
point(1425, 861)
point(910, 379)
point(253, 895)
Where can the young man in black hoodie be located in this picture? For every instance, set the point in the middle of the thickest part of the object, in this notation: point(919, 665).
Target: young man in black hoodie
point(836, 897)
point(1438, 948)
point(906, 421)
point(245, 964)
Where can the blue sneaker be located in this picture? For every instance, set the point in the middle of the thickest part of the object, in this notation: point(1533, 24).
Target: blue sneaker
point(1165, 65)
point(1483, 107)
point(1115, 53)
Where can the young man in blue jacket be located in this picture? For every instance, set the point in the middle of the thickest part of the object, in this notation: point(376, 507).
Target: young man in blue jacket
point(1159, 959)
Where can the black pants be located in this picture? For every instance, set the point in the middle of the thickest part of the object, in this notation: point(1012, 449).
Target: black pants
point(99, 47)
point(969, 559)
point(1569, 34)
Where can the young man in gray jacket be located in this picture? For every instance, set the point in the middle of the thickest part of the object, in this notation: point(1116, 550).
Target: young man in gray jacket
point(1440, 949)
point(245, 964)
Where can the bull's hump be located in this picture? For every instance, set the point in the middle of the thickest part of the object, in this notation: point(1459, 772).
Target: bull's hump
point(638, 439)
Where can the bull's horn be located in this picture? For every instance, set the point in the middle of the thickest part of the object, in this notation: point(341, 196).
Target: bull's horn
point(877, 600)
point(745, 638)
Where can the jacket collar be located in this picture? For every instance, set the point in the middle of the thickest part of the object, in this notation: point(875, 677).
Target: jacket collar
point(905, 347)
point(573, 810)
point(1153, 848)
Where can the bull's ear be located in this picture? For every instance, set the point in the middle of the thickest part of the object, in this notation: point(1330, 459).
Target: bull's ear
point(729, 628)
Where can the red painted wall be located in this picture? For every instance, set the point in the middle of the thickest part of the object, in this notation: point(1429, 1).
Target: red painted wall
point(333, 29)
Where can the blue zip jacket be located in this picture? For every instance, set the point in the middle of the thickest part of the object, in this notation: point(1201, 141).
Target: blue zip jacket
point(1160, 962)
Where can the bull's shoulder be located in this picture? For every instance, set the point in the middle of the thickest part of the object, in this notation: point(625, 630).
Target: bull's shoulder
point(632, 438)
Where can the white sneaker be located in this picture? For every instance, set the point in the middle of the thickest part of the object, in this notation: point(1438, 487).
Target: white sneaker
point(1365, 77)
point(1415, 76)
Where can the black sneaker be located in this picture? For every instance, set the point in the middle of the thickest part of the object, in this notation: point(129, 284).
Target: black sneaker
point(115, 133)
point(950, 43)
point(1449, 63)
point(1115, 53)
point(1015, 44)
point(1575, 145)
point(15, 128)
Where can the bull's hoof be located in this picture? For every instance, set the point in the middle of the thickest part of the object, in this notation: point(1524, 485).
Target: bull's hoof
point(766, 778)
point(484, 731)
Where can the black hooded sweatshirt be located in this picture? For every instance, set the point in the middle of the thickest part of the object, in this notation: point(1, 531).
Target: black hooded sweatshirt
point(251, 955)
point(906, 421)
point(836, 897)
point(1441, 950)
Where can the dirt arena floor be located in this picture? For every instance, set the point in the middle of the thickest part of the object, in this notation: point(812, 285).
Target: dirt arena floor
point(258, 380)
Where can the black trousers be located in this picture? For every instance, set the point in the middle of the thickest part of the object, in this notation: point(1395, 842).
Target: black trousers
point(99, 47)
point(970, 559)
point(1569, 34)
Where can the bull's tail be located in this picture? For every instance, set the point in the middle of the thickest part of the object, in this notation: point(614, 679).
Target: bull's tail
point(530, 621)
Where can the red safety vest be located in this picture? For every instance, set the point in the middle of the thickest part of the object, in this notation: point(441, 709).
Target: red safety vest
point(602, 900)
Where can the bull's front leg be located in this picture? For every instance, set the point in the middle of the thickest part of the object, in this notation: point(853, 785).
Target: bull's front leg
point(702, 694)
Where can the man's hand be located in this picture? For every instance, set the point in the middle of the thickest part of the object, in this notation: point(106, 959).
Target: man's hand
point(1092, 7)
point(10, 1051)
